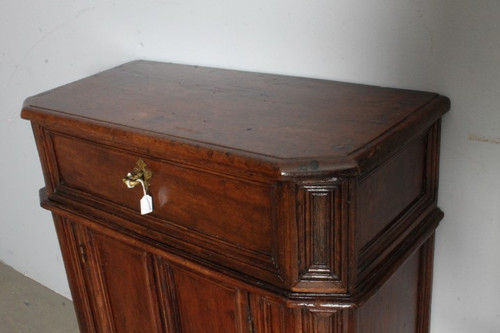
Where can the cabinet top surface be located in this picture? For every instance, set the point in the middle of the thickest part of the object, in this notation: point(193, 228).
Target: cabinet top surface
point(268, 115)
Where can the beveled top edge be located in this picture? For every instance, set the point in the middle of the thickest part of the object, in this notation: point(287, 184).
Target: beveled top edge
point(307, 134)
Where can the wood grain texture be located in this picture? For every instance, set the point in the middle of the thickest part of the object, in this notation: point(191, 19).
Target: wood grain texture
point(300, 124)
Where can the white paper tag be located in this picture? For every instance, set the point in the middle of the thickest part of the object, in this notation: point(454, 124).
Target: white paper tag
point(146, 204)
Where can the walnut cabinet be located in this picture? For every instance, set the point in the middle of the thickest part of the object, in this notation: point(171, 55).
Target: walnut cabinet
point(279, 204)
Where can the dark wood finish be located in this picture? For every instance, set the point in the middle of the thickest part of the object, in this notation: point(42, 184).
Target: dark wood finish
point(281, 204)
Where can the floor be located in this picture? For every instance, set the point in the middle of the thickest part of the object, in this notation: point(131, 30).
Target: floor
point(28, 307)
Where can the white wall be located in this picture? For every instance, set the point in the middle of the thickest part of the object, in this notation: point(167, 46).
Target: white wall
point(448, 46)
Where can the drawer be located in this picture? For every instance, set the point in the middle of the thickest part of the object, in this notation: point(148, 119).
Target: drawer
point(220, 214)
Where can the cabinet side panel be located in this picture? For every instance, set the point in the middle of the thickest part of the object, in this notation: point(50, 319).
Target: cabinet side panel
point(394, 308)
point(73, 262)
point(425, 287)
point(389, 190)
point(46, 154)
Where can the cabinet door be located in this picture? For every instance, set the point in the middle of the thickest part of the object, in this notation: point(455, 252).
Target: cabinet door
point(115, 282)
point(120, 284)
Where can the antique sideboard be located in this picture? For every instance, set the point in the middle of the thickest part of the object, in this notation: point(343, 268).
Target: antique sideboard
point(193, 199)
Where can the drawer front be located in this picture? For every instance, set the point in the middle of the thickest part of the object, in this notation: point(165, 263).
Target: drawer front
point(220, 213)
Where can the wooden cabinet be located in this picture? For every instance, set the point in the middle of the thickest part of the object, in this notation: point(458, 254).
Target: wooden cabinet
point(280, 204)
